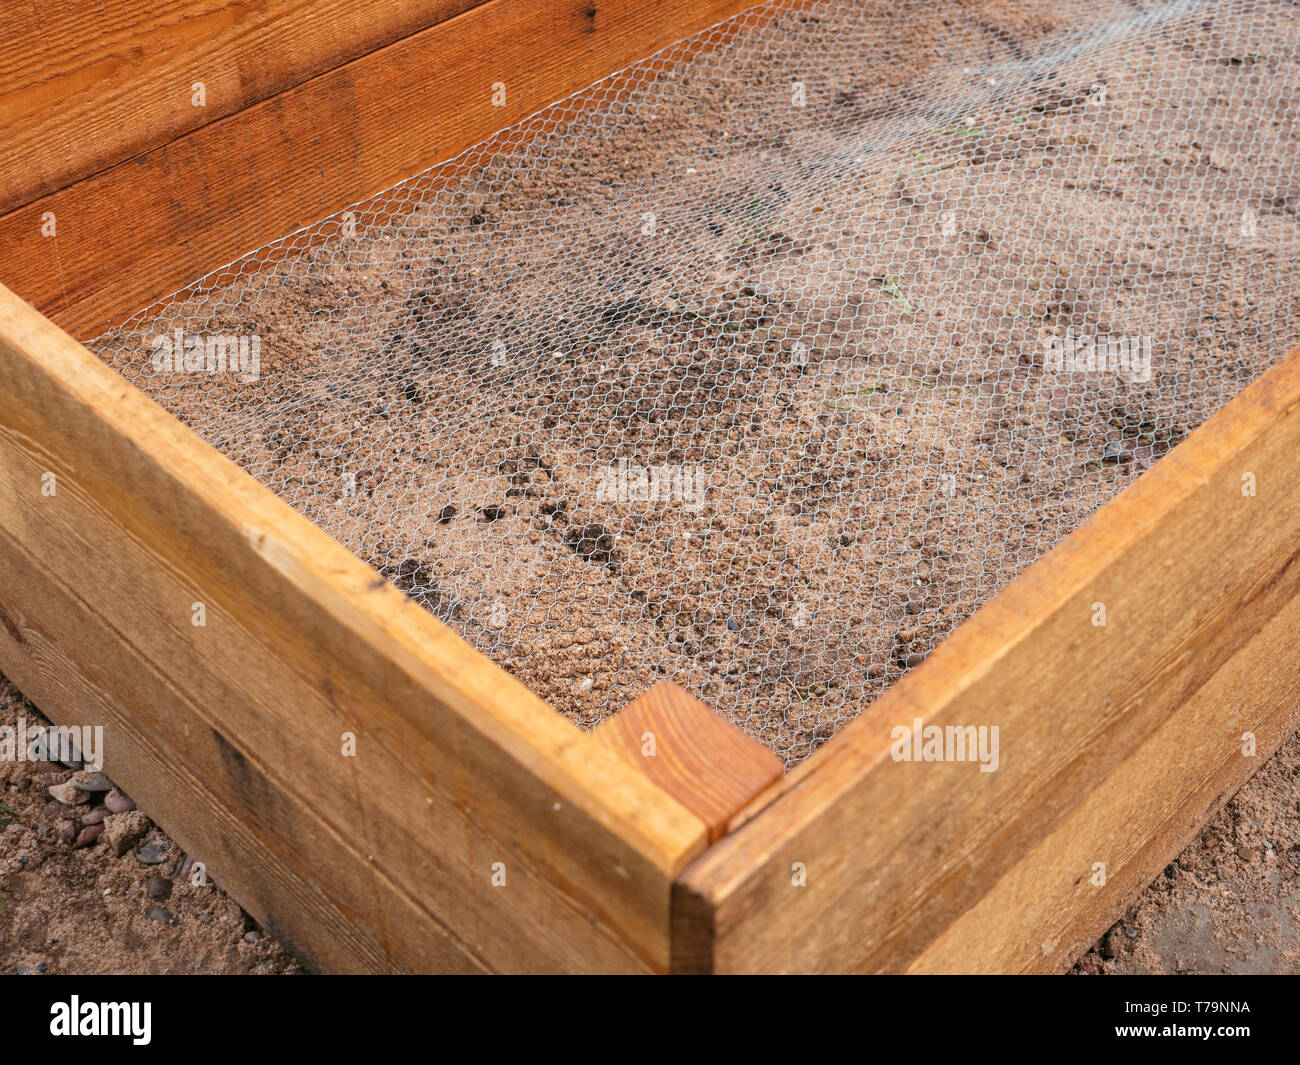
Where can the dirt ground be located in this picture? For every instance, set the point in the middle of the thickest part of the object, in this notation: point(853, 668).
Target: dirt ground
point(113, 896)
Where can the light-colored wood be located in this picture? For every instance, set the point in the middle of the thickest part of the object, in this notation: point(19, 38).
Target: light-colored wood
point(1115, 741)
point(1014, 927)
point(695, 755)
point(225, 189)
point(232, 733)
point(60, 653)
point(86, 84)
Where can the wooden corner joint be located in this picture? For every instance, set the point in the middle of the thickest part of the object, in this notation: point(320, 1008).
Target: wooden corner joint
point(692, 753)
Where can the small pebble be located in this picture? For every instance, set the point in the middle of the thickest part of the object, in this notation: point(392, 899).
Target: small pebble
point(91, 780)
point(57, 811)
point(150, 854)
point(95, 816)
point(69, 793)
point(157, 913)
point(733, 624)
point(118, 803)
point(89, 835)
point(158, 888)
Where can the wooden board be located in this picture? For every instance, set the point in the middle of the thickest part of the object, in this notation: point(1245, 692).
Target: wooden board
point(86, 84)
point(1115, 741)
point(203, 199)
point(694, 754)
point(232, 734)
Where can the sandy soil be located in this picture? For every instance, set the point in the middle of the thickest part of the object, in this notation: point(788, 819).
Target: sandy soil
point(112, 896)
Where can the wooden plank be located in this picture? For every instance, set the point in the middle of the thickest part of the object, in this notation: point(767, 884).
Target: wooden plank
point(58, 651)
point(86, 84)
point(1202, 743)
point(232, 733)
point(204, 199)
point(1114, 739)
point(696, 756)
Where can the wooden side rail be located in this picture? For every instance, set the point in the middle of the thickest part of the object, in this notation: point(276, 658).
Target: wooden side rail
point(1117, 740)
point(368, 786)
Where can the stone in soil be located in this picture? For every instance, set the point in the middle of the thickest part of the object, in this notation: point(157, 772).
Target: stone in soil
point(150, 854)
point(91, 780)
point(158, 888)
point(118, 803)
point(69, 793)
point(123, 831)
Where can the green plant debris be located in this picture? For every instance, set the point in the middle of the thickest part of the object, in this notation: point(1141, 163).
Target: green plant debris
point(960, 129)
point(891, 288)
point(836, 404)
point(802, 694)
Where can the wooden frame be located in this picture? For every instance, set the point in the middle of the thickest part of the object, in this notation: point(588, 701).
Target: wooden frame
point(474, 829)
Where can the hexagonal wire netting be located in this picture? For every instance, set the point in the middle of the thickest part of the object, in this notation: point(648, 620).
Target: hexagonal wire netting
point(764, 363)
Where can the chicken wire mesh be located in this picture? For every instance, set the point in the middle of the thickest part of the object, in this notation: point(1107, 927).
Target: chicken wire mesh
point(761, 365)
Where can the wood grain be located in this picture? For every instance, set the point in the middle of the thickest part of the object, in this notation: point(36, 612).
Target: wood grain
point(232, 734)
point(196, 203)
point(694, 754)
point(1200, 744)
point(86, 84)
point(1115, 741)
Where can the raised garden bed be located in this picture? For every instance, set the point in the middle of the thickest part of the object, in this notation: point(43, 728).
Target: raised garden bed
point(818, 298)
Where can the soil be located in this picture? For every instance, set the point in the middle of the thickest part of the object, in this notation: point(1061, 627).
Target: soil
point(833, 319)
point(124, 901)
